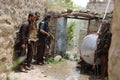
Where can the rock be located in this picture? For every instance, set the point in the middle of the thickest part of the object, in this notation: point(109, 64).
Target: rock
point(5, 19)
point(58, 57)
point(49, 66)
point(3, 59)
point(3, 76)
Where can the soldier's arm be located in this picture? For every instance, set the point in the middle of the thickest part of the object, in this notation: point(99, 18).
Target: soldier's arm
point(23, 37)
point(44, 32)
point(52, 36)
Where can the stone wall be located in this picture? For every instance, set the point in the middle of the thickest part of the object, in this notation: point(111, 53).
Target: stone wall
point(52, 26)
point(12, 13)
point(94, 24)
point(114, 53)
point(98, 7)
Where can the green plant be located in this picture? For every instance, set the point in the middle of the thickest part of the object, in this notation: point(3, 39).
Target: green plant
point(52, 60)
point(18, 61)
point(61, 4)
point(6, 70)
point(70, 32)
point(66, 56)
point(106, 78)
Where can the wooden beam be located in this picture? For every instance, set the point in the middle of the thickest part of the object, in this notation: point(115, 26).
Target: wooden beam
point(77, 18)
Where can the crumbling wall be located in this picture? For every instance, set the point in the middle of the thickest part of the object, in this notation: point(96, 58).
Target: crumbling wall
point(12, 13)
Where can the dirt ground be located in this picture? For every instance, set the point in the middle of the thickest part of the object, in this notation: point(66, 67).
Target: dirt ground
point(65, 70)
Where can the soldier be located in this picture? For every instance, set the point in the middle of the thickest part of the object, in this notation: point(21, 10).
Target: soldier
point(32, 40)
point(103, 48)
point(37, 16)
point(24, 34)
point(43, 34)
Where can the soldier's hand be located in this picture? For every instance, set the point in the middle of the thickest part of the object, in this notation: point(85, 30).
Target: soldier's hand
point(29, 41)
point(54, 38)
point(23, 45)
point(48, 35)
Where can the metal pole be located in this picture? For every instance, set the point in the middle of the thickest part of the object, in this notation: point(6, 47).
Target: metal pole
point(104, 15)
